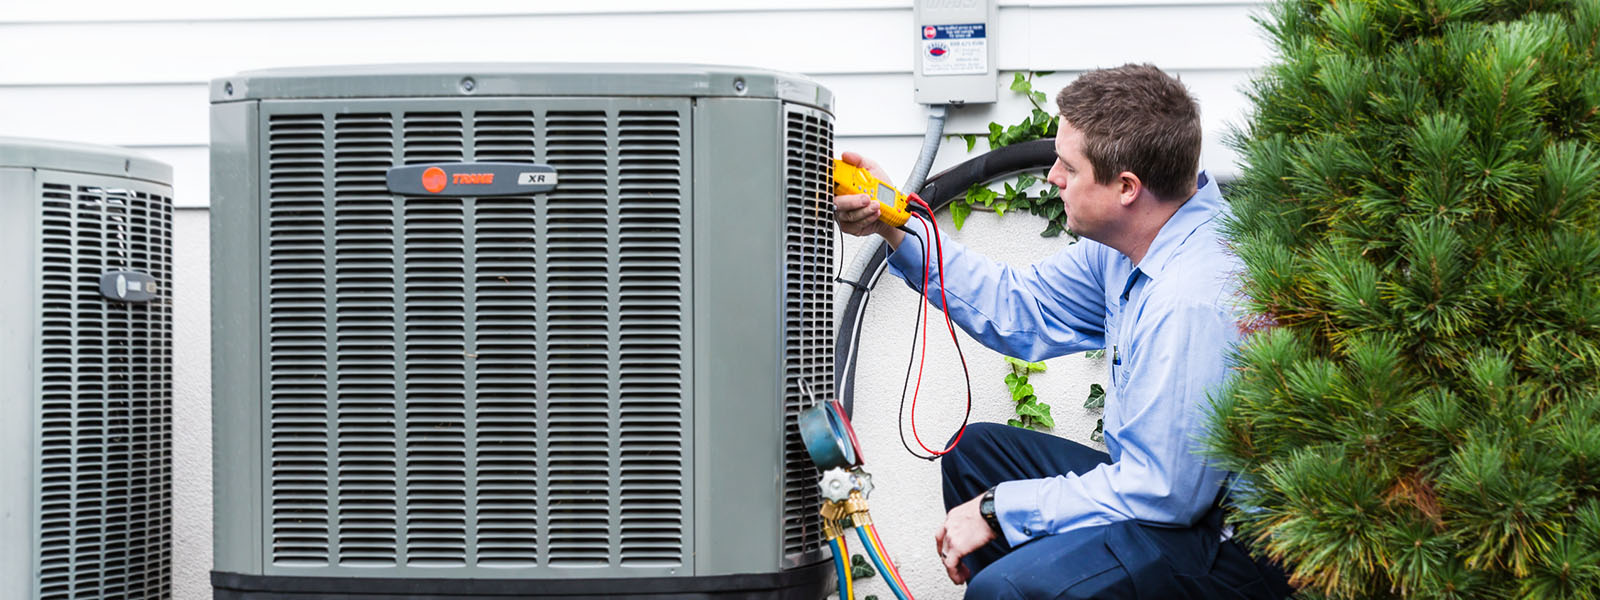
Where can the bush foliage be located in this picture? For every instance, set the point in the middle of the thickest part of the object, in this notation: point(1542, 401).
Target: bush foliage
point(1416, 413)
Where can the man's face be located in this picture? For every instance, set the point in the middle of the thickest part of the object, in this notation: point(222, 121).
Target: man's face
point(1091, 207)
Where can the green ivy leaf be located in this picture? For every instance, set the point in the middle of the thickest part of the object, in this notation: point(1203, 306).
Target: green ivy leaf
point(1097, 397)
point(1036, 410)
point(1016, 133)
point(1049, 232)
point(959, 212)
point(1022, 392)
point(1041, 120)
point(1026, 408)
point(1001, 207)
point(1096, 354)
point(1015, 384)
point(1098, 434)
point(1045, 419)
point(1020, 84)
point(1040, 97)
point(981, 195)
point(1054, 210)
point(1036, 367)
point(1025, 180)
point(971, 140)
point(1016, 363)
point(1015, 423)
point(860, 567)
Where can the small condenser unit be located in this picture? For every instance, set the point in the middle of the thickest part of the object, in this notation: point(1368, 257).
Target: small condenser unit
point(519, 330)
point(85, 372)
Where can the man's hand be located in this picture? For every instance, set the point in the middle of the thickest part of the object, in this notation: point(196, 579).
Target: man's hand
point(857, 214)
point(964, 531)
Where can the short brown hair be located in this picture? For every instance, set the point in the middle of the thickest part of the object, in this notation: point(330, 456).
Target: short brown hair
point(1136, 118)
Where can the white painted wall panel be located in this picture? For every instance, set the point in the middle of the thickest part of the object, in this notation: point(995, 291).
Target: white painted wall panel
point(199, 51)
point(191, 171)
point(78, 11)
point(856, 41)
point(115, 10)
point(119, 115)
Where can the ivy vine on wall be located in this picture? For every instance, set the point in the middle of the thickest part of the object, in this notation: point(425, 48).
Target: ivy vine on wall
point(1027, 192)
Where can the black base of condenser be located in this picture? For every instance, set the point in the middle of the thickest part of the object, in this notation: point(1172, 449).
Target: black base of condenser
point(803, 583)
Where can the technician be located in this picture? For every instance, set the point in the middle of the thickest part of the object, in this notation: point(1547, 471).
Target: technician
point(1154, 284)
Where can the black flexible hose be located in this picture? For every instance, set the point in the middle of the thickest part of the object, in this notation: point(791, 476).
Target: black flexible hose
point(938, 191)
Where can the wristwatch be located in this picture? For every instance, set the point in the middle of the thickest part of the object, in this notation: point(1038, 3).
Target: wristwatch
point(986, 508)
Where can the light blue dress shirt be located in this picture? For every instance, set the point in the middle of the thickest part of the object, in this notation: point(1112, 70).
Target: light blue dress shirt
point(1166, 325)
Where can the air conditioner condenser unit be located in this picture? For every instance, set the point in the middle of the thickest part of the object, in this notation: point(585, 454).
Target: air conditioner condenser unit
point(85, 372)
point(519, 329)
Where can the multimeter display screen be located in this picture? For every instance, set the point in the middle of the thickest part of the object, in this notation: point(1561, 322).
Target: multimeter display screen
point(885, 195)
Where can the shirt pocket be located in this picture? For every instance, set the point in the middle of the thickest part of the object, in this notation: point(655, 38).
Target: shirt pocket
point(1120, 365)
point(1115, 351)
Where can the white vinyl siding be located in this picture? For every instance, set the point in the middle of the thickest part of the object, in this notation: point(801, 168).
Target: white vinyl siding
point(135, 75)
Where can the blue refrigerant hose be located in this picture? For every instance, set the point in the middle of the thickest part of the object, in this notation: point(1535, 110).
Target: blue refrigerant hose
point(877, 560)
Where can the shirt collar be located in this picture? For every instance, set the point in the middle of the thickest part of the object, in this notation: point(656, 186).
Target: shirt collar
point(1200, 208)
point(1196, 211)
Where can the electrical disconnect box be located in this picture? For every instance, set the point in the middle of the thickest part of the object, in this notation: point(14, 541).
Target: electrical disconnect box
point(953, 50)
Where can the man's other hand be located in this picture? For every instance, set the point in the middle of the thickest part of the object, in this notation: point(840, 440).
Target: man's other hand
point(857, 214)
point(964, 531)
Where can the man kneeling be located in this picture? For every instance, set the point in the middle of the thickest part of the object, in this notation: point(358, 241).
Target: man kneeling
point(1152, 282)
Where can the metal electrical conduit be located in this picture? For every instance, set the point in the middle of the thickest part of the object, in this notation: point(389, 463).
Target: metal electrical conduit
point(869, 264)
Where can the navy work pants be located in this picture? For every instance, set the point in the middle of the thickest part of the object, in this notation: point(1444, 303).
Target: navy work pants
point(1128, 559)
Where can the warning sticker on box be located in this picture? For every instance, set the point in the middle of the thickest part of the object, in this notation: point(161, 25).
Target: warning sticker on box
point(955, 50)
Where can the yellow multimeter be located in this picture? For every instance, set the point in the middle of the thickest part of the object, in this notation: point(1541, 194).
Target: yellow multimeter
point(850, 179)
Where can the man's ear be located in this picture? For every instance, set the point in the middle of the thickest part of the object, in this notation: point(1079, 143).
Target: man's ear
point(1128, 188)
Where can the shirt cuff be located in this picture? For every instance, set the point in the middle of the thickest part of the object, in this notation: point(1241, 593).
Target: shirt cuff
point(1016, 506)
point(905, 262)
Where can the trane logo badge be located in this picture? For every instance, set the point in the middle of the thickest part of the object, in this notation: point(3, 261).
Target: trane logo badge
point(472, 179)
point(433, 180)
point(128, 286)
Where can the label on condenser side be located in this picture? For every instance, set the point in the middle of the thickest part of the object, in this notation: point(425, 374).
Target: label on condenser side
point(955, 49)
point(472, 179)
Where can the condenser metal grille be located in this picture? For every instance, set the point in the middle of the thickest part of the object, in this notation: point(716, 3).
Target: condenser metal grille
point(486, 385)
point(105, 377)
point(808, 315)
